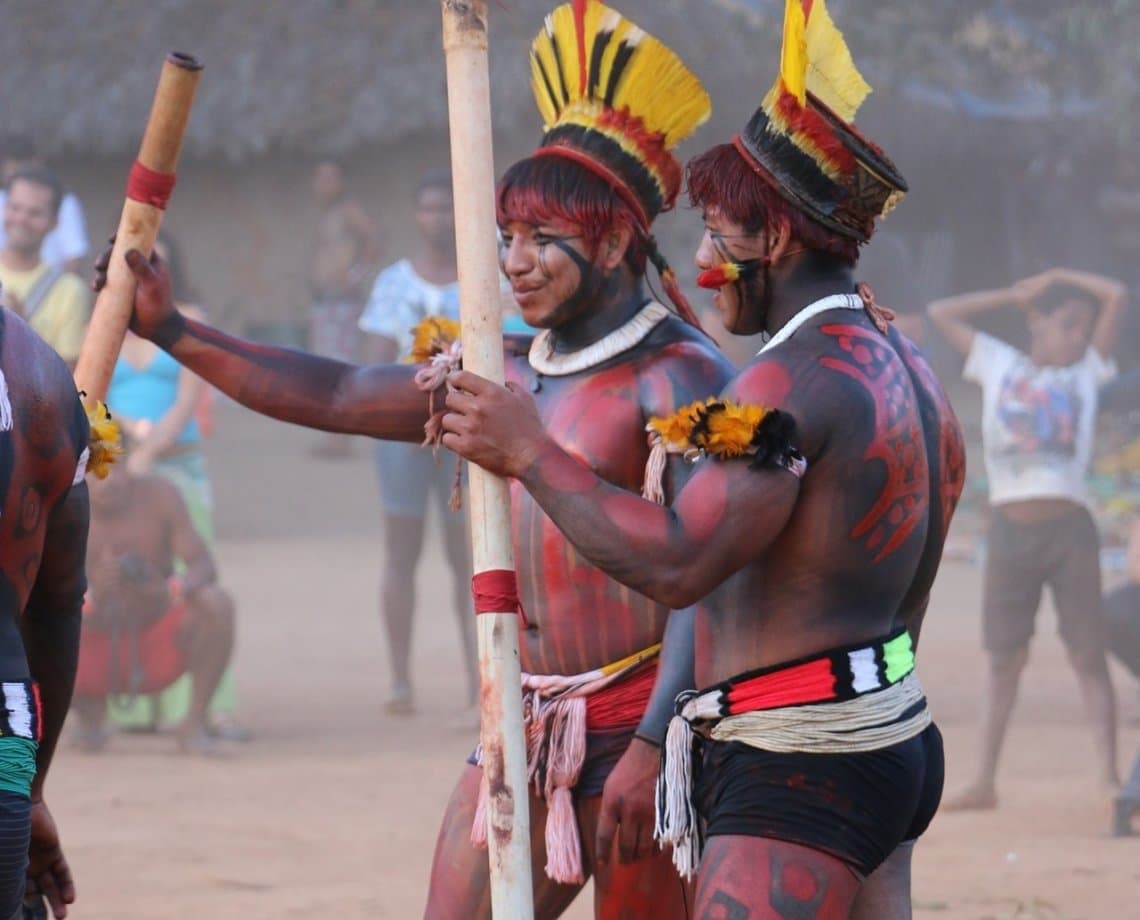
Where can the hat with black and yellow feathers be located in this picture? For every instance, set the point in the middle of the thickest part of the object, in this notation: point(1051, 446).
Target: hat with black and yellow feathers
point(803, 140)
point(616, 100)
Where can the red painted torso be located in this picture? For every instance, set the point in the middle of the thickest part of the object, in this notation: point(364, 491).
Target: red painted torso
point(579, 618)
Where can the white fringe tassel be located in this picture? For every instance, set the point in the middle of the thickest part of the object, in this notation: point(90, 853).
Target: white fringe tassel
point(676, 818)
point(5, 405)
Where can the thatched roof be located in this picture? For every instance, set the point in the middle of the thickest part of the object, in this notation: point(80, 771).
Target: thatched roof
point(308, 77)
point(327, 77)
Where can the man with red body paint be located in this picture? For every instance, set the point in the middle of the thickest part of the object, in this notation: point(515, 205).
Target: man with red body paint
point(574, 221)
point(813, 525)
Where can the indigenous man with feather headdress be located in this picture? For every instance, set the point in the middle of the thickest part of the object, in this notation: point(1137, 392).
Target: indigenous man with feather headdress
point(575, 221)
point(825, 478)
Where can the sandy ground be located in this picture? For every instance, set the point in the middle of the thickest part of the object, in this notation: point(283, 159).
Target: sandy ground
point(332, 811)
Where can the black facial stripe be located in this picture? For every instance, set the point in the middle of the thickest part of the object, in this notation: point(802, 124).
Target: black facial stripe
point(561, 242)
point(591, 281)
point(720, 247)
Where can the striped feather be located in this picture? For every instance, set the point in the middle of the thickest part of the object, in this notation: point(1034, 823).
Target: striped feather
point(588, 53)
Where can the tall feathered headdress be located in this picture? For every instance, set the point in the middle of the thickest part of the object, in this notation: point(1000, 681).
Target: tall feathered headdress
point(616, 100)
point(802, 138)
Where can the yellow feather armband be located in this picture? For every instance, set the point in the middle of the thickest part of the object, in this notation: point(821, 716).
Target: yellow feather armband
point(105, 442)
point(725, 430)
point(432, 336)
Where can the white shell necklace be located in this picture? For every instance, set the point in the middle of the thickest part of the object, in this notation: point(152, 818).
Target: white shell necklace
point(550, 363)
point(831, 302)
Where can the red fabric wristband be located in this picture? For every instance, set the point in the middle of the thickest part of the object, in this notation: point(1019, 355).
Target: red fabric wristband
point(149, 187)
point(497, 591)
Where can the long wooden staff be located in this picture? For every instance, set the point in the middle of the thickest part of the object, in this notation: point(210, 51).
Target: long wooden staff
point(149, 186)
point(473, 178)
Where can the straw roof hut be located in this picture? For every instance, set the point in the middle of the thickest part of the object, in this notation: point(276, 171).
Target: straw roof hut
point(290, 81)
point(312, 78)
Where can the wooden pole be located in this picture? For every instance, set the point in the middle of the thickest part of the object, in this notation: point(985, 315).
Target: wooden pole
point(473, 179)
point(147, 189)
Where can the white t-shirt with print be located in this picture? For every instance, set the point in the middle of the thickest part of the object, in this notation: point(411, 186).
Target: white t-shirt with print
point(1037, 422)
point(400, 299)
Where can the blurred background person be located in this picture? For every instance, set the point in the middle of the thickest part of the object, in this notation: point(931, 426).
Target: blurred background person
point(144, 626)
point(1037, 430)
point(346, 252)
point(66, 244)
point(162, 409)
point(54, 302)
point(405, 293)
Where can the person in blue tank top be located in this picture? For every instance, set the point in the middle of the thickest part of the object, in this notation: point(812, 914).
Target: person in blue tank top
point(160, 407)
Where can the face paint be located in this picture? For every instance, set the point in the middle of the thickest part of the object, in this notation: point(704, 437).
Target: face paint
point(728, 273)
point(736, 281)
point(591, 281)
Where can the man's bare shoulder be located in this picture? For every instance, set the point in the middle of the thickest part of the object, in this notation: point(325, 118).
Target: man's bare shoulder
point(799, 377)
point(35, 375)
point(675, 344)
point(916, 360)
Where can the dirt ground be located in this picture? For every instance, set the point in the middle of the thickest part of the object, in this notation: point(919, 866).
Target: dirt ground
point(332, 810)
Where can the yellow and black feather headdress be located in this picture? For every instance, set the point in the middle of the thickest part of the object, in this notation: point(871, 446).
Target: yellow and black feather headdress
point(616, 100)
point(802, 138)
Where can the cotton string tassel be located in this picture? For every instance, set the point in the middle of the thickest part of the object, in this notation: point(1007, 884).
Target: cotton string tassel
point(676, 818)
point(556, 746)
point(567, 754)
point(479, 822)
point(5, 405)
point(555, 731)
point(879, 315)
point(653, 489)
point(429, 379)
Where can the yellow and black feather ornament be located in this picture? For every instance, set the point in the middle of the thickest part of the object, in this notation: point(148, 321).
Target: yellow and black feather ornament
point(105, 444)
point(617, 100)
point(724, 430)
point(803, 138)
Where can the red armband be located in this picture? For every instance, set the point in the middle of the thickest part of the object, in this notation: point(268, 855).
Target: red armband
point(497, 591)
point(149, 187)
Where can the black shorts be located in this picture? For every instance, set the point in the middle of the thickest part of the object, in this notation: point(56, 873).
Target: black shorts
point(603, 751)
point(1021, 559)
point(856, 807)
point(15, 834)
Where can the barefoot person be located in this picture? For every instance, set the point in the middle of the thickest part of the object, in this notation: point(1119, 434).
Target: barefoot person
point(1037, 433)
point(575, 219)
point(43, 518)
point(814, 522)
point(143, 628)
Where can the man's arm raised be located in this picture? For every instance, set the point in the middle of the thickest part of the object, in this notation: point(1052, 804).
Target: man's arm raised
point(381, 401)
point(726, 516)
